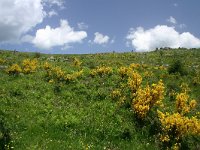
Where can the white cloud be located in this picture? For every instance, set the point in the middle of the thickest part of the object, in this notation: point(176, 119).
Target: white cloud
point(182, 26)
point(52, 13)
point(82, 26)
point(172, 20)
point(100, 38)
point(161, 36)
point(61, 36)
point(18, 17)
point(50, 3)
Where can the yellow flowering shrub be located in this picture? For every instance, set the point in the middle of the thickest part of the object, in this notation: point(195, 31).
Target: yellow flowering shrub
point(14, 69)
point(29, 66)
point(134, 66)
point(134, 81)
point(57, 74)
point(77, 62)
point(101, 71)
point(47, 66)
point(146, 98)
point(127, 71)
point(178, 126)
point(73, 76)
point(123, 71)
point(183, 105)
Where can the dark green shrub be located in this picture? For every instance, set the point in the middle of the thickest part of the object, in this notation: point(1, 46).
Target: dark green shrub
point(177, 67)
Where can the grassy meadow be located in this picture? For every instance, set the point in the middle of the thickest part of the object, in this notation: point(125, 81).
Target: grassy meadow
point(109, 101)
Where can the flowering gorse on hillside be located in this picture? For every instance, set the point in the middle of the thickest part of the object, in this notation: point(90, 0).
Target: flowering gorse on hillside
point(14, 69)
point(123, 71)
point(134, 81)
point(134, 66)
point(29, 66)
point(57, 74)
point(47, 66)
point(101, 71)
point(183, 105)
point(147, 98)
point(77, 62)
point(177, 125)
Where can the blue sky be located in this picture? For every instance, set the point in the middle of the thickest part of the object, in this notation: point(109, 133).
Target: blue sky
point(91, 26)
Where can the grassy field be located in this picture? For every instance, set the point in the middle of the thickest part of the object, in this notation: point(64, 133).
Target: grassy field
point(89, 101)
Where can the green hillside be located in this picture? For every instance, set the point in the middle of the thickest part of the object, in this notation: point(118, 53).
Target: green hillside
point(113, 101)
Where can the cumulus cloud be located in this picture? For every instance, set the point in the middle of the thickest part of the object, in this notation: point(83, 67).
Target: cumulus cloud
point(19, 16)
point(52, 13)
point(82, 26)
point(61, 36)
point(100, 38)
point(59, 3)
point(172, 20)
point(161, 36)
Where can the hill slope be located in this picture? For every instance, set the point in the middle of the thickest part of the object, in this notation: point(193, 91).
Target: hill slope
point(89, 101)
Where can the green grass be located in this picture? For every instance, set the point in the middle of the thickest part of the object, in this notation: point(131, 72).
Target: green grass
point(36, 114)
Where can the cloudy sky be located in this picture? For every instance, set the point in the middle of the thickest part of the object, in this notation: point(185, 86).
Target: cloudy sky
point(90, 26)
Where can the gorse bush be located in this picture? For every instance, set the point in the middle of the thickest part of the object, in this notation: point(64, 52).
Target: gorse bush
point(176, 126)
point(29, 66)
point(101, 71)
point(14, 69)
point(57, 74)
point(183, 105)
point(147, 98)
point(179, 125)
point(134, 81)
